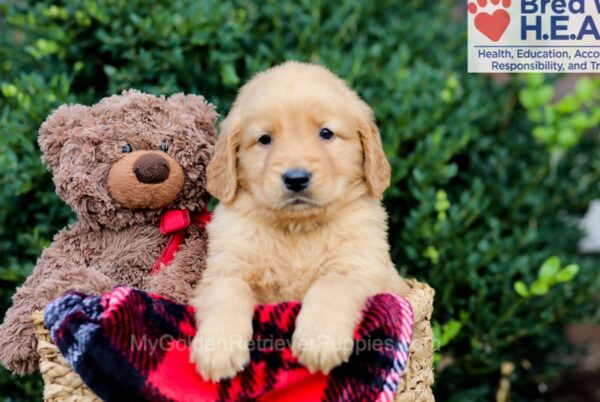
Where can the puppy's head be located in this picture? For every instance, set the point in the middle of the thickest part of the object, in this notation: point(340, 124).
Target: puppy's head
point(298, 139)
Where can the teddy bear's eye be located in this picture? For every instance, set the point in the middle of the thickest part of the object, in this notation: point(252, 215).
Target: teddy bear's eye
point(127, 149)
point(163, 146)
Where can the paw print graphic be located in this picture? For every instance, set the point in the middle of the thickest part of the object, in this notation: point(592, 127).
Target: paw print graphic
point(491, 25)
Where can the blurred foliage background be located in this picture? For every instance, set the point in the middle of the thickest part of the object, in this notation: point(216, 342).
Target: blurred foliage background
point(489, 180)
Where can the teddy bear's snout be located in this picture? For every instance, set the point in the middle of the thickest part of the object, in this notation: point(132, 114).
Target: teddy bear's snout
point(151, 169)
point(145, 179)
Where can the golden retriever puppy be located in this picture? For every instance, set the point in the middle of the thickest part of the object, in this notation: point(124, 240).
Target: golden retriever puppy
point(300, 170)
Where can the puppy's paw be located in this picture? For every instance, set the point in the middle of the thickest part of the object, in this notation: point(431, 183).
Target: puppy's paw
point(321, 344)
point(220, 353)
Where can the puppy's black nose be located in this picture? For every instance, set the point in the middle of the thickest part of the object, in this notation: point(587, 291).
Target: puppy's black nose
point(296, 179)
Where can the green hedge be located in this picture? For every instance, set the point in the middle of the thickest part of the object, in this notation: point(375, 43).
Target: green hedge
point(478, 202)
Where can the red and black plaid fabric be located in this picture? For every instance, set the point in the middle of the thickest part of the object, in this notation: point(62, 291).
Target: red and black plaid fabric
point(128, 345)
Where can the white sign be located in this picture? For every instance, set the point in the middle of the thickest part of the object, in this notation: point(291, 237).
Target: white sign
point(548, 36)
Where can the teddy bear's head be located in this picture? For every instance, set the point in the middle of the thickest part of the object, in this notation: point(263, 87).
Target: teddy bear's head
point(129, 157)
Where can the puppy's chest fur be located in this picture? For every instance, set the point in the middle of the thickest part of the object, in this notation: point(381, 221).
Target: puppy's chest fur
point(277, 264)
point(289, 267)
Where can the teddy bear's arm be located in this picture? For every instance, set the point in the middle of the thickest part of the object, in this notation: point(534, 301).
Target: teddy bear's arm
point(177, 280)
point(56, 272)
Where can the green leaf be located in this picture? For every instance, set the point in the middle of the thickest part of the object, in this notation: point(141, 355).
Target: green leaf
point(535, 115)
point(549, 269)
point(451, 329)
point(568, 104)
point(441, 201)
point(521, 289)
point(581, 121)
point(228, 75)
point(544, 134)
point(9, 90)
point(539, 288)
point(544, 94)
point(567, 273)
point(549, 114)
point(567, 138)
point(432, 253)
point(535, 80)
point(527, 98)
point(78, 66)
point(584, 89)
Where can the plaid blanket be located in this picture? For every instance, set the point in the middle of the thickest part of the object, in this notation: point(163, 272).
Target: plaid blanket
point(129, 345)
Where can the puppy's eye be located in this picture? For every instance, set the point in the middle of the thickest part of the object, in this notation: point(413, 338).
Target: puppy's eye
point(127, 149)
point(326, 133)
point(265, 139)
point(163, 146)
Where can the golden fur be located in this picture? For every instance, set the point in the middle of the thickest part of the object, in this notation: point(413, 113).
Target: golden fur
point(326, 246)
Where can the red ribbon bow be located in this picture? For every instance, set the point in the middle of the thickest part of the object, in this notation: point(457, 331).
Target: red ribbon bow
point(174, 222)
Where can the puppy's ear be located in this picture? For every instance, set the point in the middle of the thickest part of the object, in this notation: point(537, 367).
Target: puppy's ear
point(376, 166)
point(221, 173)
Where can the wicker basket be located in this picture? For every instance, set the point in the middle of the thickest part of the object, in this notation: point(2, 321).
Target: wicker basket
point(415, 384)
point(62, 384)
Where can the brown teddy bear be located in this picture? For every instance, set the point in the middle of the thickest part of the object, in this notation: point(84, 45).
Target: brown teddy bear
point(133, 169)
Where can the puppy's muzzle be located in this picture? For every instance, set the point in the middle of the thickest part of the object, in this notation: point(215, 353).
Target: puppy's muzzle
point(296, 179)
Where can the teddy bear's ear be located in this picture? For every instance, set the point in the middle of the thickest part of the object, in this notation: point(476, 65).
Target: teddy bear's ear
point(57, 128)
point(203, 112)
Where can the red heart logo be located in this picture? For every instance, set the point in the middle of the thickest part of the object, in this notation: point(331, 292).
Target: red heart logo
point(493, 26)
